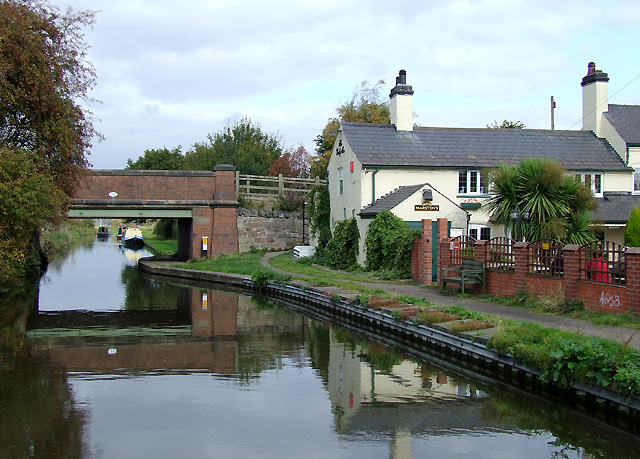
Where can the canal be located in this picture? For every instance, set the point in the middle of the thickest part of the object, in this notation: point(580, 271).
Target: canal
point(127, 366)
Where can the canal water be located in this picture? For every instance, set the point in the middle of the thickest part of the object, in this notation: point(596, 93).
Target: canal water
point(128, 366)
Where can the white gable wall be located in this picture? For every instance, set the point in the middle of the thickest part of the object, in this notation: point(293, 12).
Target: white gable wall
point(608, 132)
point(349, 202)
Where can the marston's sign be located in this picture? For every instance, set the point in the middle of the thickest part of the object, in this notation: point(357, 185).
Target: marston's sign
point(428, 207)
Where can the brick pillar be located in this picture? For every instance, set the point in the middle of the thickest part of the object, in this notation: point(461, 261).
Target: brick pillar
point(632, 260)
point(202, 225)
point(571, 270)
point(481, 251)
point(443, 235)
point(427, 243)
point(520, 257)
point(444, 257)
point(224, 220)
point(422, 256)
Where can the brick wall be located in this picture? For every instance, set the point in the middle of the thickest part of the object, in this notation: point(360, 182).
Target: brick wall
point(596, 296)
point(149, 185)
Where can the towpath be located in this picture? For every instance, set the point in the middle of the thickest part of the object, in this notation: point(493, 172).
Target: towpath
point(434, 296)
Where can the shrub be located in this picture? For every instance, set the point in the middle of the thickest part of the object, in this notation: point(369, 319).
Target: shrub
point(319, 211)
point(166, 228)
point(389, 243)
point(262, 278)
point(342, 250)
point(632, 231)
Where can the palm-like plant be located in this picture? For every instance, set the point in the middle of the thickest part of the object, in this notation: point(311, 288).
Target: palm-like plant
point(557, 203)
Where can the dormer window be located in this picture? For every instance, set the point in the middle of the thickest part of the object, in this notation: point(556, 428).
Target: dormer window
point(593, 181)
point(636, 179)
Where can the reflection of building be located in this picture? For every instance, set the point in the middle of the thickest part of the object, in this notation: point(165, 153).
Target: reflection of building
point(365, 398)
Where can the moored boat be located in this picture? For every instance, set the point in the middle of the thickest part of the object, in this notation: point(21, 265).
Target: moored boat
point(103, 232)
point(132, 238)
point(121, 229)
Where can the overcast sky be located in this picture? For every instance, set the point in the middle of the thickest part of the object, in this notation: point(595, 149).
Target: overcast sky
point(169, 72)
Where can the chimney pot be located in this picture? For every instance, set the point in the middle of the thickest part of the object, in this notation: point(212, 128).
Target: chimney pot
point(591, 68)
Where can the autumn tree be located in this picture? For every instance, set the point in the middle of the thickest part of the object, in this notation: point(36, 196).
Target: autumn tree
point(364, 106)
point(43, 77)
point(44, 132)
point(243, 144)
point(292, 163)
point(160, 159)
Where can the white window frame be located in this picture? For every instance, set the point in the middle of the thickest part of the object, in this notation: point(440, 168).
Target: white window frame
point(340, 182)
point(476, 229)
point(635, 185)
point(469, 179)
point(592, 180)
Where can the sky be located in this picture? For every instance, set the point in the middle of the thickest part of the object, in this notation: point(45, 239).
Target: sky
point(171, 73)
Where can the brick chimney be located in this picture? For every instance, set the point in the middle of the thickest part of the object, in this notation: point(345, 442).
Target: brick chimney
point(595, 98)
point(401, 105)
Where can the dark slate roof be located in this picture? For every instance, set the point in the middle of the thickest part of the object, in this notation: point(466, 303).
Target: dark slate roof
point(626, 120)
point(615, 207)
point(390, 200)
point(380, 145)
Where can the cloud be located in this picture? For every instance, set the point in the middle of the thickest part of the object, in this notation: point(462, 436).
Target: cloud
point(173, 72)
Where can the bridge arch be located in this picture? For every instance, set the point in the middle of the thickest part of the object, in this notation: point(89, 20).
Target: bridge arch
point(204, 203)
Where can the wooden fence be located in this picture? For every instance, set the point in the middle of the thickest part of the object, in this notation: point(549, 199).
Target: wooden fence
point(265, 187)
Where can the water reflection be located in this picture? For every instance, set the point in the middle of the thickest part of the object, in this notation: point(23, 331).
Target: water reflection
point(191, 371)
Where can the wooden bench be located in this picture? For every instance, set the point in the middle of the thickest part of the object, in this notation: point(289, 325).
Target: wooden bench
point(470, 272)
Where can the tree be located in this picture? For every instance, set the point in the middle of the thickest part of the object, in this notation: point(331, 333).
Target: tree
point(29, 199)
point(507, 125)
point(44, 132)
point(292, 163)
point(558, 203)
point(242, 144)
point(161, 159)
point(43, 75)
point(632, 231)
point(364, 106)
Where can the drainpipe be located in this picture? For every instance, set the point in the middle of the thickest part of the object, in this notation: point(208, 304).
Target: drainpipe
point(373, 185)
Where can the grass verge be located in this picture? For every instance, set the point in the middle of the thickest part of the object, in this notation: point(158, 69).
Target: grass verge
point(160, 246)
point(240, 263)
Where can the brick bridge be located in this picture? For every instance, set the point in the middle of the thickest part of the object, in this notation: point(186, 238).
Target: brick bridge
point(203, 202)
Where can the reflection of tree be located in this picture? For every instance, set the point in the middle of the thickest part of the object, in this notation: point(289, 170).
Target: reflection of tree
point(144, 293)
point(529, 414)
point(39, 417)
point(318, 340)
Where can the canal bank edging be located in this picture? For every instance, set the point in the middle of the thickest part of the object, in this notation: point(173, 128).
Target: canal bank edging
point(470, 352)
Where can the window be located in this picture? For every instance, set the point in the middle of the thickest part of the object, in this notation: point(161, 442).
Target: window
point(471, 182)
point(340, 182)
point(593, 181)
point(636, 178)
point(480, 233)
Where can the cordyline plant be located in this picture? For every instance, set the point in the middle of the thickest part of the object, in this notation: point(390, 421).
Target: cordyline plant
point(558, 203)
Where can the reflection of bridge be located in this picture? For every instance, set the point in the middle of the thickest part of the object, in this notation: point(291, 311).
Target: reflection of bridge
point(203, 202)
point(204, 336)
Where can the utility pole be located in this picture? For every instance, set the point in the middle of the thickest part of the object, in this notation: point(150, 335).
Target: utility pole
point(553, 106)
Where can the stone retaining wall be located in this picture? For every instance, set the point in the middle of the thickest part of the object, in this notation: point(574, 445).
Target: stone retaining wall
point(269, 229)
